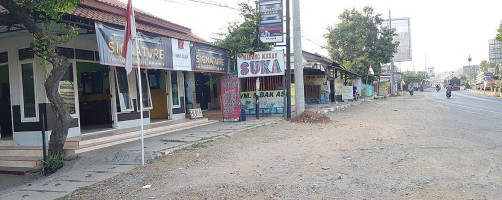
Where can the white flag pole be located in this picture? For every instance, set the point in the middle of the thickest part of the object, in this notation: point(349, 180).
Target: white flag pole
point(135, 37)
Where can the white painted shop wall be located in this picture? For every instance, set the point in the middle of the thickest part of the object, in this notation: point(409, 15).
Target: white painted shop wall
point(11, 43)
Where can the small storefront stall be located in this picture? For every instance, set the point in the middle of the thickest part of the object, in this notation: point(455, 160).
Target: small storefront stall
point(266, 68)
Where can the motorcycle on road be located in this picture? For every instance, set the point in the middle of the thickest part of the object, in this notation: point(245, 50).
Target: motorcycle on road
point(448, 94)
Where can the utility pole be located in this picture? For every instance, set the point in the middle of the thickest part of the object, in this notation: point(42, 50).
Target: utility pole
point(297, 37)
point(469, 59)
point(392, 88)
point(288, 63)
point(257, 45)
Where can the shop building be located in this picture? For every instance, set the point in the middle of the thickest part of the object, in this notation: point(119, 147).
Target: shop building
point(98, 92)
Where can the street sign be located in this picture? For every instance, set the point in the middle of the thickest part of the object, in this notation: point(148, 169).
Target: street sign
point(271, 23)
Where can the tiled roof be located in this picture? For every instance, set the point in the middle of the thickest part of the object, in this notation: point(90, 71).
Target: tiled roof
point(113, 12)
point(119, 20)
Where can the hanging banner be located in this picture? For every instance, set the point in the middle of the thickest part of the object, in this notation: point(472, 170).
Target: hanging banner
point(181, 55)
point(271, 23)
point(338, 86)
point(230, 103)
point(347, 92)
point(153, 53)
point(210, 59)
point(267, 63)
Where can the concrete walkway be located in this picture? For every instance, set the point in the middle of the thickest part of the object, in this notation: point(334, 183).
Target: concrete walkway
point(95, 166)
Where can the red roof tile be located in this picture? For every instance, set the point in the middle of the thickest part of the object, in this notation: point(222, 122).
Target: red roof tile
point(113, 12)
point(119, 20)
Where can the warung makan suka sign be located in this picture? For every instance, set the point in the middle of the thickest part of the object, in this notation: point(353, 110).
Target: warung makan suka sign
point(266, 63)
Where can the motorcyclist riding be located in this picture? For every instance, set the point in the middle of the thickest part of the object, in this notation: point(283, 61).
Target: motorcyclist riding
point(438, 87)
point(410, 88)
point(449, 88)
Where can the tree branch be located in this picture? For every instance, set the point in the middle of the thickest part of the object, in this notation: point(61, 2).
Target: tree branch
point(23, 16)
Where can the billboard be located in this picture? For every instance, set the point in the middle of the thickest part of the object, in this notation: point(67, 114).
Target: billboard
point(403, 31)
point(271, 23)
point(266, 63)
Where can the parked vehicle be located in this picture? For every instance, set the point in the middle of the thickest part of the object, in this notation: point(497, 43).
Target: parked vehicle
point(485, 80)
point(411, 92)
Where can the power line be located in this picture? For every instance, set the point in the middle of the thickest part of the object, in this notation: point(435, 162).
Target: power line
point(323, 47)
point(312, 41)
point(176, 2)
point(212, 3)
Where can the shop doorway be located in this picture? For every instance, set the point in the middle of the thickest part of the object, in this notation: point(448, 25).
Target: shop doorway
point(158, 89)
point(202, 90)
point(94, 96)
point(5, 107)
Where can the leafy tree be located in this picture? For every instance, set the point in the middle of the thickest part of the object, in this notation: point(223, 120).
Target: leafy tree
point(485, 65)
point(360, 40)
point(413, 77)
point(46, 37)
point(242, 37)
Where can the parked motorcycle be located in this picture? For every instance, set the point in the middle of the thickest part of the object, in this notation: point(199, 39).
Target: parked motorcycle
point(448, 94)
point(411, 92)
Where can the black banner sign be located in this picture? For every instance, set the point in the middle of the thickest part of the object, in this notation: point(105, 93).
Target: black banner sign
point(210, 59)
point(154, 53)
point(157, 53)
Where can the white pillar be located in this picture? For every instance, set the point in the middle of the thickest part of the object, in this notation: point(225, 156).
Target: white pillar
point(297, 43)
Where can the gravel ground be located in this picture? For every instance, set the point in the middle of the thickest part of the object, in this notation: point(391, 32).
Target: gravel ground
point(399, 148)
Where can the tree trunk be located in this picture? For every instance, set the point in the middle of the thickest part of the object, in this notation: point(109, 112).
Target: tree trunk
point(59, 66)
point(63, 119)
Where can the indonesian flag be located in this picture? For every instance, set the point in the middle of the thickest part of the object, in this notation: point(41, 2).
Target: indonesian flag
point(130, 34)
point(370, 71)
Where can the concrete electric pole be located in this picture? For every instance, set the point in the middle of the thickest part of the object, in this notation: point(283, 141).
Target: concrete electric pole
point(392, 81)
point(297, 43)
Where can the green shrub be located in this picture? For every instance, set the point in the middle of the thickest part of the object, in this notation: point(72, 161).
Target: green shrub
point(53, 161)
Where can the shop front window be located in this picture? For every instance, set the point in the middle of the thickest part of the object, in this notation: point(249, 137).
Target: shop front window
point(123, 96)
point(29, 96)
point(175, 90)
point(145, 87)
point(67, 90)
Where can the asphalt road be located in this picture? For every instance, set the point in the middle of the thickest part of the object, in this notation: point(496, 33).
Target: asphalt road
point(470, 102)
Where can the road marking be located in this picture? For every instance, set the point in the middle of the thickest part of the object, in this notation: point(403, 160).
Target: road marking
point(462, 106)
point(477, 98)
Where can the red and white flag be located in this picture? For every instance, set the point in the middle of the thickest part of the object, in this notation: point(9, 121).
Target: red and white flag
point(370, 71)
point(130, 34)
